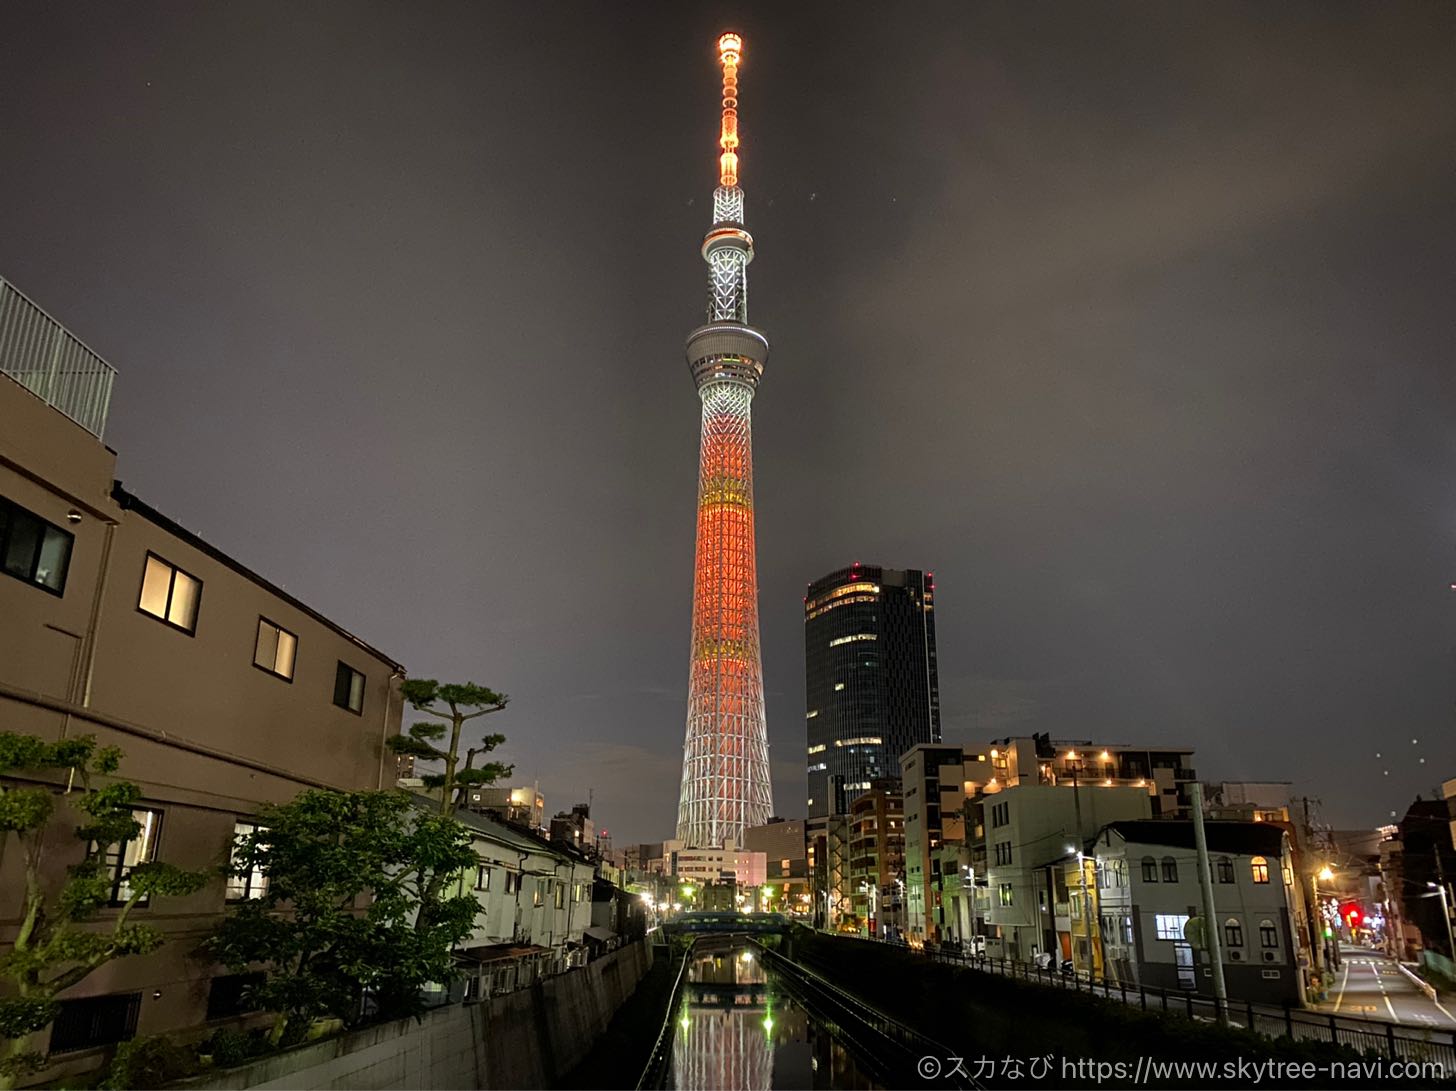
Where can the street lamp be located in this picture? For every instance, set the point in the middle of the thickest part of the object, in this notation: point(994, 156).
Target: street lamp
point(1446, 913)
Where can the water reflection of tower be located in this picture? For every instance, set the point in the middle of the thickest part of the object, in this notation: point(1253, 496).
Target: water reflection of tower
point(725, 1034)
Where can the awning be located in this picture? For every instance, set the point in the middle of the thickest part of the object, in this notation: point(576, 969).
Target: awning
point(600, 934)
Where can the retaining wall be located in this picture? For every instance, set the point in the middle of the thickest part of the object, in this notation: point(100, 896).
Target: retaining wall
point(527, 1038)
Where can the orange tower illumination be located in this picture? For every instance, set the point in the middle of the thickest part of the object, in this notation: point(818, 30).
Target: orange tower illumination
point(725, 781)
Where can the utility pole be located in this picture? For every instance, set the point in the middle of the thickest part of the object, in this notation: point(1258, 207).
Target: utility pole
point(1211, 933)
point(1075, 765)
point(1315, 915)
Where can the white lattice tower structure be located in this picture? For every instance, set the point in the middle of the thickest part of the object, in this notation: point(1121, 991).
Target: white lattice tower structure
point(725, 781)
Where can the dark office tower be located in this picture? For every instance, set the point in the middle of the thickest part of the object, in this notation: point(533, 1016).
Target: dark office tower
point(873, 690)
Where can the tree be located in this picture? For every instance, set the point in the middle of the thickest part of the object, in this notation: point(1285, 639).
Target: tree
point(462, 702)
point(52, 951)
point(352, 906)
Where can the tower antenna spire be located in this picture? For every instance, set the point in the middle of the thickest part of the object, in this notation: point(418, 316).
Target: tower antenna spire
point(730, 52)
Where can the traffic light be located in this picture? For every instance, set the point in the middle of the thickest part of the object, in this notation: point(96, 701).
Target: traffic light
point(1352, 915)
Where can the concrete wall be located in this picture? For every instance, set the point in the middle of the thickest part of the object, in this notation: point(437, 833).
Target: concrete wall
point(528, 1038)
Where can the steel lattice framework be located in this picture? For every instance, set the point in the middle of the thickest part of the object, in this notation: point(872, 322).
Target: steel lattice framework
point(725, 781)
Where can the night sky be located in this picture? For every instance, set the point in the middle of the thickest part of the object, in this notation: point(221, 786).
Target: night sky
point(1133, 323)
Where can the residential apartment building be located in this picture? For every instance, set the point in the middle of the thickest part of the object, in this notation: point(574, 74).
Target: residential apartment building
point(533, 892)
point(988, 830)
point(877, 858)
point(522, 804)
point(224, 691)
point(1147, 891)
point(1165, 773)
point(936, 782)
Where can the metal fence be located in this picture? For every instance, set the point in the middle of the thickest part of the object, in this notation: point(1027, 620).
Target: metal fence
point(1396, 1041)
point(51, 362)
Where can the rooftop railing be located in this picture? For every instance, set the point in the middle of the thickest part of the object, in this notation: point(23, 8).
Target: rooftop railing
point(51, 362)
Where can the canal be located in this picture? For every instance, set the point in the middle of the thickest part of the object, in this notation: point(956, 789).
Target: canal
point(740, 1028)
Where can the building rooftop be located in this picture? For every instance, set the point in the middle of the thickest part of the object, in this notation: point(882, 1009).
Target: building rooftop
point(1241, 838)
point(53, 363)
point(131, 502)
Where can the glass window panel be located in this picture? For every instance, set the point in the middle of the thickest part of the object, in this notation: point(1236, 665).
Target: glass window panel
point(183, 609)
point(21, 542)
point(287, 645)
point(266, 654)
point(356, 692)
point(156, 581)
point(55, 558)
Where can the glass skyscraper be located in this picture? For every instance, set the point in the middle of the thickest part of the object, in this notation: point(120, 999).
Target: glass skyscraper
point(872, 686)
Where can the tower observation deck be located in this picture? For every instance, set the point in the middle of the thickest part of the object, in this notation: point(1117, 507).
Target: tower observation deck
point(725, 779)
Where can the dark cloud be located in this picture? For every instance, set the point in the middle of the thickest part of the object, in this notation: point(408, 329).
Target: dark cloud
point(1132, 322)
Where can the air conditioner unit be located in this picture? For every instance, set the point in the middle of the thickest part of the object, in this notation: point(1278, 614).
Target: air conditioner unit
point(1271, 956)
point(1236, 956)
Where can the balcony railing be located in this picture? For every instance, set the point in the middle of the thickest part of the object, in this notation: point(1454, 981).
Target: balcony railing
point(51, 362)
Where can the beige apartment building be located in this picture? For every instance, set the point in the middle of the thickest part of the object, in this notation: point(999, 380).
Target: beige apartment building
point(224, 691)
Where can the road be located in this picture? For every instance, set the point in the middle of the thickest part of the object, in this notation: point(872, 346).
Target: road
point(1372, 985)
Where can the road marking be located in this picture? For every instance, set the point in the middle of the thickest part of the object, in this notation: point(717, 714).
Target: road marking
point(1343, 982)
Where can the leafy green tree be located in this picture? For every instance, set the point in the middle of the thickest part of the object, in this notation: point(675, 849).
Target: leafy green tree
point(353, 905)
point(57, 944)
point(453, 705)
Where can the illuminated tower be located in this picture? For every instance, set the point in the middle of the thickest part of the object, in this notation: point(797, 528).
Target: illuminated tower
point(725, 781)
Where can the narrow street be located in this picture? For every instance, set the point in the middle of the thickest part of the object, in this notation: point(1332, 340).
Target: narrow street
point(1371, 984)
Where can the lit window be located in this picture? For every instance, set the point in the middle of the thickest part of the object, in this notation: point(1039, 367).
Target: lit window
point(1260, 868)
point(818, 748)
point(1169, 925)
point(169, 594)
point(140, 848)
point(852, 639)
point(838, 686)
point(482, 877)
point(536, 898)
point(275, 649)
point(1006, 893)
point(811, 714)
point(32, 549)
point(349, 688)
point(252, 883)
point(560, 895)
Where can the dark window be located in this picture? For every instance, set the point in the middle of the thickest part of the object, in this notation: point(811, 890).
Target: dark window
point(120, 858)
point(232, 995)
point(1150, 870)
point(169, 594)
point(349, 688)
point(95, 1021)
point(275, 650)
point(482, 877)
point(32, 549)
point(1170, 870)
point(1268, 934)
point(1225, 870)
point(1233, 932)
point(513, 882)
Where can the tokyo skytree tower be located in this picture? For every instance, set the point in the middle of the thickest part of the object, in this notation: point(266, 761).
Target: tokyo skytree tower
point(725, 781)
